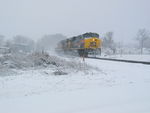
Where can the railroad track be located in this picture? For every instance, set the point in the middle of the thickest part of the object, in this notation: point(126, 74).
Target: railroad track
point(119, 60)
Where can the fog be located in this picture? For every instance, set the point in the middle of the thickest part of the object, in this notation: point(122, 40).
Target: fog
point(35, 18)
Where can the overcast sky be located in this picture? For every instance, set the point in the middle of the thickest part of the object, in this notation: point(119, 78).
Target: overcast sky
point(35, 18)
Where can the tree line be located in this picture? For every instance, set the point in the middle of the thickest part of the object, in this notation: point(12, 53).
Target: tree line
point(24, 44)
point(142, 39)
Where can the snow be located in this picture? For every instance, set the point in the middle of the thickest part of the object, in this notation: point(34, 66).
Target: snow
point(129, 57)
point(83, 101)
point(115, 87)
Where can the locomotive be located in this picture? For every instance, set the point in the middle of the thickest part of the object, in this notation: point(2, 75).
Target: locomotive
point(87, 43)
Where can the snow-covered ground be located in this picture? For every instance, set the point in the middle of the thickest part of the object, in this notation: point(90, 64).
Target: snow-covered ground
point(128, 57)
point(109, 87)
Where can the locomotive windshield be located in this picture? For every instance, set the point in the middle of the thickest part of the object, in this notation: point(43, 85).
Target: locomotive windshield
point(88, 35)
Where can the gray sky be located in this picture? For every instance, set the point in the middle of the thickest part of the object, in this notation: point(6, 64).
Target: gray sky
point(35, 18)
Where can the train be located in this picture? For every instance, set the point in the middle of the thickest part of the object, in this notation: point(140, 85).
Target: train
point(83, 45)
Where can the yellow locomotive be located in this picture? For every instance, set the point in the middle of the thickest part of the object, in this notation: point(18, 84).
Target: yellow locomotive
point(87, 43)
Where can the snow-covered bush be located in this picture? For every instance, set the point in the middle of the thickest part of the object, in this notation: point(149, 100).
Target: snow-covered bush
point(42, 60)
point(61, 65)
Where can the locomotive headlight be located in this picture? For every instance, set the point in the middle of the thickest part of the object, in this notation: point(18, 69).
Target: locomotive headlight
point(94, 40)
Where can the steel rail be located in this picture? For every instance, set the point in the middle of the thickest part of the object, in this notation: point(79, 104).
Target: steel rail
point(120, 60)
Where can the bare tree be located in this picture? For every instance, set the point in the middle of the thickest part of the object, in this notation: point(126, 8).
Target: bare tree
point(49, 42)
point(142, 36)
point(147, 43)
point(22, 43)
point(108, 42)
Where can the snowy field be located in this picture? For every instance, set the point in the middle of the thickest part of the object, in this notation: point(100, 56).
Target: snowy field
point(98, 87)
point(129, 57)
